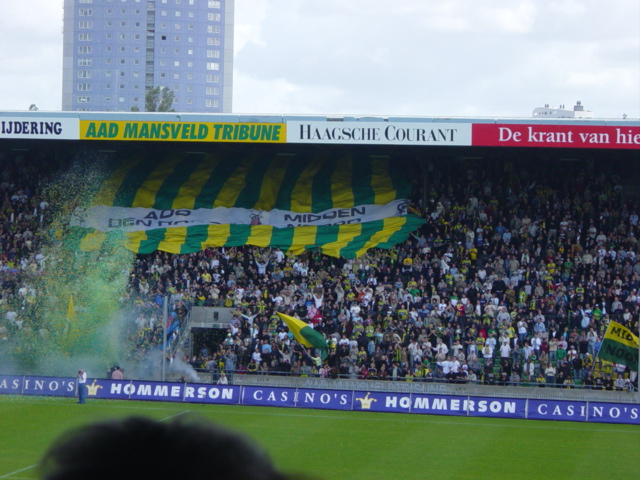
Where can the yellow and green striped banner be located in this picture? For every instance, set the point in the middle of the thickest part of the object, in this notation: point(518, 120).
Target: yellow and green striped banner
point(258, 183)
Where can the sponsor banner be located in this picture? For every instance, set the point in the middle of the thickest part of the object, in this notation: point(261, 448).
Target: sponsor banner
point(381, 402)
point(439, 405)
point(50, 386)
point(39, 127)
point(575, 411)
point(269, 397)
point(136, 390)
point(557, 136)
point(106, 219)
point(183, 131)
point(324, 399)
point(473, 406)
point(217, 394)
point(11, 384)
point(614, 413)
point(497, 407)
point(379, 133)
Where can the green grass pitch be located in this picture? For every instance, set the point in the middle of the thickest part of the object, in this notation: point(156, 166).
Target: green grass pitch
point(353, 445)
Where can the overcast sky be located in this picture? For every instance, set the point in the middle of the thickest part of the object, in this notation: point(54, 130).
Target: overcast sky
point(497, 58)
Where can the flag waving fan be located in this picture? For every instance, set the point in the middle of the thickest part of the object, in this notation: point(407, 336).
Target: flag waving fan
point(620, 345)
point(306, 335)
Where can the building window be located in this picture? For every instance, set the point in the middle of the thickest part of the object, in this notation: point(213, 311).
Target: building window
point(213, 53)
point(85, 24)
point(176, 63)
point(176, 51)
point(213, 28)
point(176, 76)
point(213, 66)
point(213, 91)
point(121, 99)
point(213, 17)
point(123, 49)
point(84, 99)
point(85, 12)
point(211, 103)
point(107, 99)
point(177, 38)
point(122, 61)
point(85, 37)
point(85, 62)
point(85, 49)
point(84, 73)
point(191, 26)
point(107, 48)
point(213, 41)
point(84, 87)
point(190, 64)
point(214, 4)
point(178, 13)
point(123, 23)
point(213, 78)
point(189, 76)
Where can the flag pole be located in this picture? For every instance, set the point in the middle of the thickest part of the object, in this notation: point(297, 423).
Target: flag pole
point(165, 316)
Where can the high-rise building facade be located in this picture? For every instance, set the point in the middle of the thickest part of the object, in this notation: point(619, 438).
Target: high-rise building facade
point(117, 50)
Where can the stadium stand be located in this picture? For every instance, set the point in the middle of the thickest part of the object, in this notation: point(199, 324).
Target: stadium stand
point(511, 280)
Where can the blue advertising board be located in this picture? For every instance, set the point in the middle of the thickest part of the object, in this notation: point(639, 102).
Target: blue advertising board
point(358, 400)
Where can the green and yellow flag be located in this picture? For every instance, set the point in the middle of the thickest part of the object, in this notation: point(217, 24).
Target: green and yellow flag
point(186, 202)
point(306, 335)
point(619, 345)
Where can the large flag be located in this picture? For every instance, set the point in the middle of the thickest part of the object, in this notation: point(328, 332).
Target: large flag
point(187, 202)
point(620, 345)
point(306, 335)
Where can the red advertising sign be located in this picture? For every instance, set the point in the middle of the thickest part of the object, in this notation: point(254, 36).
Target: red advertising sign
point(555, 136)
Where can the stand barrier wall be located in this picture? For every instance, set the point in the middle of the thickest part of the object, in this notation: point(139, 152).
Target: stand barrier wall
point(351, 400)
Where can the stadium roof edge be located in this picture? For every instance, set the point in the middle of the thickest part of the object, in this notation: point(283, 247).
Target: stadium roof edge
point(283, 118)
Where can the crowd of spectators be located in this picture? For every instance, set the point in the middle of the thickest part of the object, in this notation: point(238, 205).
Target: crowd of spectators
point(512, 279)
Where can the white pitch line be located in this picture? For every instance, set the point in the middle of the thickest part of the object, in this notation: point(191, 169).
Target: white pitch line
point(176, 415)
point(18, 471)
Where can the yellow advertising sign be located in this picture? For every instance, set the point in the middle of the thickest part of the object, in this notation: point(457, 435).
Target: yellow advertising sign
point(183, 131)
